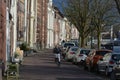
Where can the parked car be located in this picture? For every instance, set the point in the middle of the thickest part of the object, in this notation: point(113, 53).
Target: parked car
point(71, 53)
point(66, 46)
point(115, 74)
point(107, 63)
point(70, 44)
point(80, 56)
point(93, 57)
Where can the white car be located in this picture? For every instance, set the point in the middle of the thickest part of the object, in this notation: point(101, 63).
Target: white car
point(107, 63)
point(71, 52)
point(68, 44)
point(80, 55)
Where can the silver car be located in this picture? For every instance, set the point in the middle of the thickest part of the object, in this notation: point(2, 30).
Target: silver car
point(107, 63)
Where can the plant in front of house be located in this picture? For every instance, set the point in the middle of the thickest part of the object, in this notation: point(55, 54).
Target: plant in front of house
point(25, 47)
point(18, 55)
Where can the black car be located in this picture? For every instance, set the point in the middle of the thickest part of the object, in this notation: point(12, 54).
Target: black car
point(115, 74)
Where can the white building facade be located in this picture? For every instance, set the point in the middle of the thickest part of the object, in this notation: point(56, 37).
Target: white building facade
point(50, 24)
point(33, 23)
point(62, 29)
point(13, 12)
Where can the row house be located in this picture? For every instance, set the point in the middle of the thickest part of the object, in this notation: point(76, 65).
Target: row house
point(3, 30)
point(6, 31)
point(13, 24)
point(58, 28)
point(26, 21)
point(42, 23)
point(20, 20)
point(63, 29)
point(50, 25)
point(57, 24)
point(31, 22)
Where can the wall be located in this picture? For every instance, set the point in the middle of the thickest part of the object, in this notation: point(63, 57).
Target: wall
point(3, 30)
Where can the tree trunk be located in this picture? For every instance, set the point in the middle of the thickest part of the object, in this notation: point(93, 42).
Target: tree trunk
point(82, 41)
point(98, 40)
point(79, 40)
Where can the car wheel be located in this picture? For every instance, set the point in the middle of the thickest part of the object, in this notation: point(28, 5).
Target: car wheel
point(97, 69)
point(66, 58)
point(112, 76)
point(85, 68)
point(73, 61)
point(106, 72)
point(90, 68)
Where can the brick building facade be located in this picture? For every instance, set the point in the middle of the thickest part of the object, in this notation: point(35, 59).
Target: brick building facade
point(42, 23)
point(3, 29)
point(20, 20)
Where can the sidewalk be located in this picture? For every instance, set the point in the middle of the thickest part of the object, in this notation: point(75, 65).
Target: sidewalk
point(45, 50)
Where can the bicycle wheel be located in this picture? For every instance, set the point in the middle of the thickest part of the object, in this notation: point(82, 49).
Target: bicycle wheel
point(58, 63)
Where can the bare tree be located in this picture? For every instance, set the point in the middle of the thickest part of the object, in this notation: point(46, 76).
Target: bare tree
point(118, 5)
point(89, 15)
point(100, 12)
point(77, 12)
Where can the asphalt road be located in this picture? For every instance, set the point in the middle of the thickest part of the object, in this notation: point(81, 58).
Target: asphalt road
point(41, 66)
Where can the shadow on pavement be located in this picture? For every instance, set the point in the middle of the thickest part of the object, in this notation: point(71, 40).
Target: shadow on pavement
point(78, 79)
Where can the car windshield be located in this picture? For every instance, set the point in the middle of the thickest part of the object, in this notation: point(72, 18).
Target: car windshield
point(116, 57)
point(102, 53)
point(74, 49)
point(68, 44)
point(84, 52)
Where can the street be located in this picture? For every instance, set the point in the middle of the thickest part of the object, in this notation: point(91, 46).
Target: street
point(41, 66)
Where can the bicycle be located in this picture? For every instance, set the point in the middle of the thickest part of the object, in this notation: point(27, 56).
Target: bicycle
point(57, 59)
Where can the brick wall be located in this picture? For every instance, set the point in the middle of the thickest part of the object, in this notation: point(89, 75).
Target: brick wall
point(42, 23)
point(2, 29)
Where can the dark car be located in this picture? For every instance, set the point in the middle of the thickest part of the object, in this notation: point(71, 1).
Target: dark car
point(115, 74)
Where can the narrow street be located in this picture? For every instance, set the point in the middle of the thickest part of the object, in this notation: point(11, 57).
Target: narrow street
point(41, 66)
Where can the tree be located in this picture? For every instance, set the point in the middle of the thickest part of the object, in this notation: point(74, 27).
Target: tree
point(118, 5)
point(77, 12)
point(88, 15)
point(100, 12)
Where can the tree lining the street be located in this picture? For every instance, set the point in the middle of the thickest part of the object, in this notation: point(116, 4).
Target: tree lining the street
point(77, 12)
point(117, 5)
point(89, 16)
point(101, 16)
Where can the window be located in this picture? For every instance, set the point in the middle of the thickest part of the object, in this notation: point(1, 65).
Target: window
point(116, 57)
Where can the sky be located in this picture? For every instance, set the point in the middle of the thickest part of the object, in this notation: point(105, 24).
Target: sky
point(58, 4)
